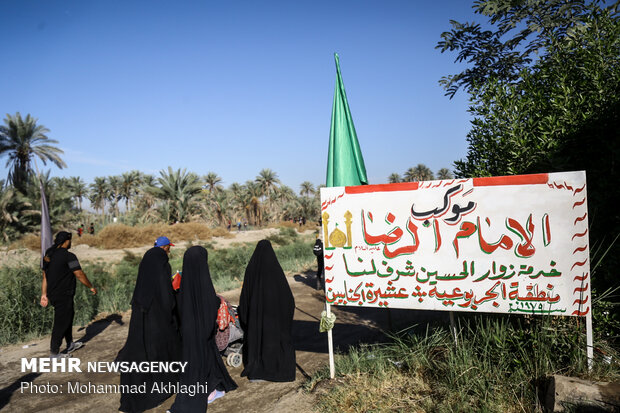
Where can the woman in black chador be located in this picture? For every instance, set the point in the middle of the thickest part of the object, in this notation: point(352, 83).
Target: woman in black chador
point(266, 309)
point(153, 331)
point(198, 306)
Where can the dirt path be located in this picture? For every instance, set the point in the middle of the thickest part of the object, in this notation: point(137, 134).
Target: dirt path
point(104, 338)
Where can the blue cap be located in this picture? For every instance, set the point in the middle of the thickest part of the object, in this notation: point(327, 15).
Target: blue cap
point(161, 241)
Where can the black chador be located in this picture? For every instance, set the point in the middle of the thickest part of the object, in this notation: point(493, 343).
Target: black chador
point(153, 331)
point(266, 309)
point(198, 306)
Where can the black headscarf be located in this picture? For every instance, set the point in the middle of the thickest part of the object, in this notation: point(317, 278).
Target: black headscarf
point(198, 306)
point(266, 309)
point(154, 282)
point(153, 331)
point(61, 237)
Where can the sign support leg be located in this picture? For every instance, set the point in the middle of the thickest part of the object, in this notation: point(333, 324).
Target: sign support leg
point(330, 344)
point(589, 343)
point(453, 328)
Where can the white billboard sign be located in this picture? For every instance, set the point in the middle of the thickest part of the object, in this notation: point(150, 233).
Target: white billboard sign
point(514, 244)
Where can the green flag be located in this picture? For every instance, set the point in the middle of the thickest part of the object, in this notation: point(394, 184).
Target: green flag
point(345, 164)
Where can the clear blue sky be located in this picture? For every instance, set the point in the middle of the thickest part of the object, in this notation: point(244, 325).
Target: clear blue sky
point(233, 86)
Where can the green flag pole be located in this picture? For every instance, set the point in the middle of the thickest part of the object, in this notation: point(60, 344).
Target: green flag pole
point(345, 166)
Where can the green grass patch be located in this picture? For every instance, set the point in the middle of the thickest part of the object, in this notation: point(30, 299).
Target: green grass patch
point(499, 365)
point(21, 316)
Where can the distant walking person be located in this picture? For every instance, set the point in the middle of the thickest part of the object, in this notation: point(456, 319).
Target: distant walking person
point(60, 269)
point(91, 229)
point(318, 252)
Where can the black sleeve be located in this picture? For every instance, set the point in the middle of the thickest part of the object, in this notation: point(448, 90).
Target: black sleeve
point(73, 262)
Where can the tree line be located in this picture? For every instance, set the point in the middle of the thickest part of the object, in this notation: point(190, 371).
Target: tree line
point(135, 197)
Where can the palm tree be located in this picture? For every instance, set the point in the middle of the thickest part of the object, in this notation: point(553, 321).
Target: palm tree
point(78, 189)
point(252, 203)
point(179, 190)
point(147, 179)
point(419, 173)
point(13, 209)
point(144, 198)
point(267, 180)
point(307, 188)
point(22, 139)
point(309, 208)
point(217, 204)
point(213, 182)
point(394, 178)
point(424, 172)
point(444, 173)
point(285, 201)
point(114, 193)
point(99, 194)
point(129, 186)
point(410, 175)
point(60, 200)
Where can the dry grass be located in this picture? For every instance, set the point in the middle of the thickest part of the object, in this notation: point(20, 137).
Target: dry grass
point(389, 392)
point(122, 236)
point(30, 241)
point(87, 239)
point(221, 232)
point(118, 236)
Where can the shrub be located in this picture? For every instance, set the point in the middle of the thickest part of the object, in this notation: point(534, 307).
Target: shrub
point(20, 312)
point(284, 237)
point(221, 232)
point(87, 239)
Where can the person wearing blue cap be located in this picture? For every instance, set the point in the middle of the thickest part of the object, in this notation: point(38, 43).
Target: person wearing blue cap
point(153, 329)
point(164, 243)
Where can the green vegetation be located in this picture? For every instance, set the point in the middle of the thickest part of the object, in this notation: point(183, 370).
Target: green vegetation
point(420, 172)
point(22, 318)
point(544, 83)
point(498, 365)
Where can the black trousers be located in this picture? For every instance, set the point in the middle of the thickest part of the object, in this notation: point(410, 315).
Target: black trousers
point(319, 269)
point(63, 322)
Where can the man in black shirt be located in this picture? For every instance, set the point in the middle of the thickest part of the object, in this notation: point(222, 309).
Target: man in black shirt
point(60, 269)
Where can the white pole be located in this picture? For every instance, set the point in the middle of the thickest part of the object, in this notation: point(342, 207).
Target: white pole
point(453, 328)
point(330, 344)
point(589, 344)
point(328, 307)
